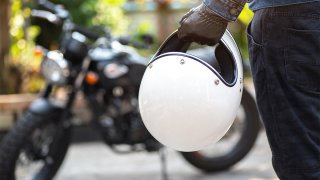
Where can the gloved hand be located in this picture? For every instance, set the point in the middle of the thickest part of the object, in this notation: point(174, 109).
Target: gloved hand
point(202, 25)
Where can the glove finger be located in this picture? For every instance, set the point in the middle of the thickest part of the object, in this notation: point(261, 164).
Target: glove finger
point(185, 17)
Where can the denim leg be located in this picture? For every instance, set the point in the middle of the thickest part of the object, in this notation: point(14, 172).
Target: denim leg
point(284, 51)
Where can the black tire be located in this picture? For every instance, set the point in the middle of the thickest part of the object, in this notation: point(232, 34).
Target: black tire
point(242, 147)
point(18, 141)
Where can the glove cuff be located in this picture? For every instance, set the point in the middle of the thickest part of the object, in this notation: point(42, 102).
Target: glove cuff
point(210, 16)
point(229, 10)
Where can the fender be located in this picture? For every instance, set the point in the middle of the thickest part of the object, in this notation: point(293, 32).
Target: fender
point(44, 106)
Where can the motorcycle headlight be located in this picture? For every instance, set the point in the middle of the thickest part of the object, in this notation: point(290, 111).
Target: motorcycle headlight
point(54, 68)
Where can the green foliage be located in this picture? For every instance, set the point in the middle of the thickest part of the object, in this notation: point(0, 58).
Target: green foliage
point(86, 13)
point(95, 12)
point(110, 14)
point(143, 27)
point(22, 36)
point(82, 11)
point(100, 13)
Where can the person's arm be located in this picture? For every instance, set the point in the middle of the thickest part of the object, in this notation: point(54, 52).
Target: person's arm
point(228, 9)
point(207, 23)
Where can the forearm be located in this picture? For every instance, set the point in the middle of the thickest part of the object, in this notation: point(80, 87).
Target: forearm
point(228, 9)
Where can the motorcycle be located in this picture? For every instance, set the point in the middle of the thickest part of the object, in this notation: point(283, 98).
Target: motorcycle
point(107, 74)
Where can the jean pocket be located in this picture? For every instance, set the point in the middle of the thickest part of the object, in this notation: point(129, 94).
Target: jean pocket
point(255, 56)
point(302, 59)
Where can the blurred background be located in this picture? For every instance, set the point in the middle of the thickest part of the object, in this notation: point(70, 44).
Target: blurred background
point(20, 79)
point(21, 34)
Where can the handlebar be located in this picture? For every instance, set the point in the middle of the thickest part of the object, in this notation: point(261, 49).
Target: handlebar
point(56, 20)
point(46, 15)
point(57, 15)
point(86, 32)
point(47, 4)
point(56, 9)
point(126, 41)
point(129, 42)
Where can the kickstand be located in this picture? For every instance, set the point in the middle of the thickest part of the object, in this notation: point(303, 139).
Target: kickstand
point(163, 158)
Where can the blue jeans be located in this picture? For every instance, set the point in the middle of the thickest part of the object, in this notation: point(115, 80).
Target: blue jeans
point(284, 51)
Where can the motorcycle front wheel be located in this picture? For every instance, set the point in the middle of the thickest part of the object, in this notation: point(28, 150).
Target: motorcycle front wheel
point(34, 148)
point(235, 145)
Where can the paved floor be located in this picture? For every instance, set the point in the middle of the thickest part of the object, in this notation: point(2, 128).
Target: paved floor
point(95, 161)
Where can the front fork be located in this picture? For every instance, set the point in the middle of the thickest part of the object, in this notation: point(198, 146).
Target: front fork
point(75, 88)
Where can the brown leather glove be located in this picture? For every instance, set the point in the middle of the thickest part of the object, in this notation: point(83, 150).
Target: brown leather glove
point(202, 25)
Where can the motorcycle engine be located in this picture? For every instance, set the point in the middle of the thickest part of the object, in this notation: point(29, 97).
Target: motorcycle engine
point(122, 123)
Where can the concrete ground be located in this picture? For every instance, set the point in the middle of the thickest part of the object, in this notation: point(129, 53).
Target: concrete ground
point(95, 161)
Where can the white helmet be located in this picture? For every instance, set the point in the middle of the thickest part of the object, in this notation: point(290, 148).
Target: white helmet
point(185, 102)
